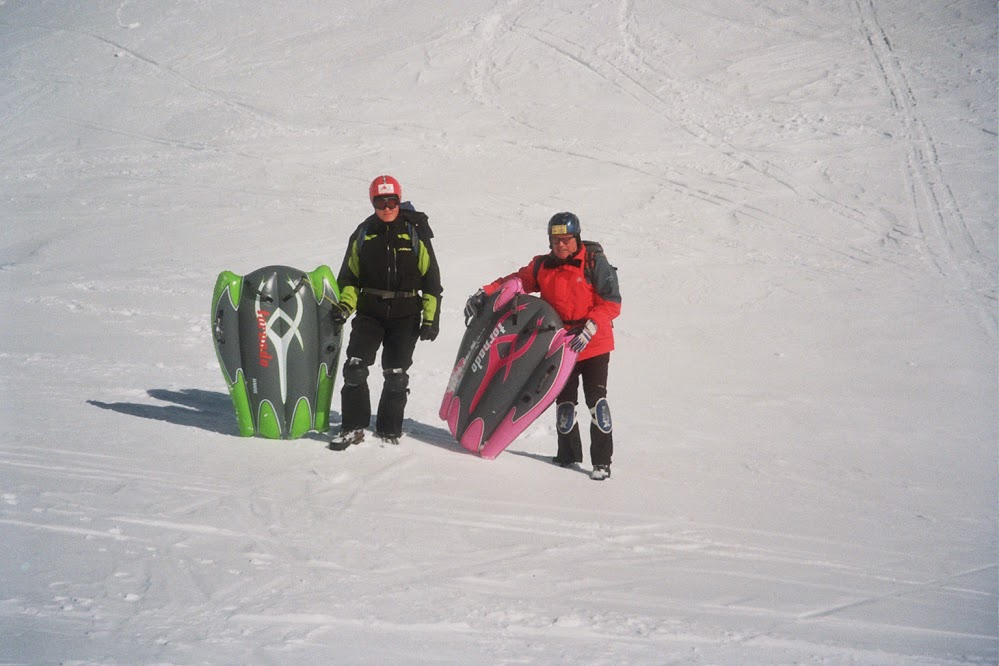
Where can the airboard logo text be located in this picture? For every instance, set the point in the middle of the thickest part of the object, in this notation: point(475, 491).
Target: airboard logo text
point(265, 356)
point(477, 364)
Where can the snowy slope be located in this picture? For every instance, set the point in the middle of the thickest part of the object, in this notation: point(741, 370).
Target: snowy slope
point(801, 198)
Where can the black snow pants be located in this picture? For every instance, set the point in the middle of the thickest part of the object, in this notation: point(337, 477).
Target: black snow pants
point(397, 337)
point(593, 372)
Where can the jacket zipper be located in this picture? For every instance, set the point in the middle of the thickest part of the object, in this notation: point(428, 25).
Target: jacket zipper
point(391, 261)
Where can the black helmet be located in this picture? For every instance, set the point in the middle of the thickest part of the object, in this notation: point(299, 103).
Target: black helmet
point(563, 224)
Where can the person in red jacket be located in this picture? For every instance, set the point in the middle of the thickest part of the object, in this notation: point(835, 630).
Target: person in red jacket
point(580, 284)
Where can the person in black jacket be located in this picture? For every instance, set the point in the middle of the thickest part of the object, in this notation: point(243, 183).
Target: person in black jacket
point(391, 278)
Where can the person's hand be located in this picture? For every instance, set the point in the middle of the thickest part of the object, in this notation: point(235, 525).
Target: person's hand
point(341, 312)
point(581, 336)
point(474, 304)
point(429, 331)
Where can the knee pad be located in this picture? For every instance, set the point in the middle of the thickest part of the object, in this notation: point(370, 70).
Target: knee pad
point(355, 373)
point(565, 417)
point(601, 416)
point(396, 380)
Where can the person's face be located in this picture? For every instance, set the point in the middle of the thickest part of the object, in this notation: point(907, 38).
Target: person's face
point(564, 247)
point(386, 208)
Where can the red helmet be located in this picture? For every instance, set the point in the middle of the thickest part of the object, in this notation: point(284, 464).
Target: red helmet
point(385, 186)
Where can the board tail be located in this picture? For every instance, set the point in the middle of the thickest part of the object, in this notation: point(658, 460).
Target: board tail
point(548, 379)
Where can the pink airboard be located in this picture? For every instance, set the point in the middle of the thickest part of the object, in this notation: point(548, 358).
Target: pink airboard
point(474, 438)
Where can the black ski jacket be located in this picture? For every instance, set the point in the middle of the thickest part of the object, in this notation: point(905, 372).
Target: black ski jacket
point(390, 270)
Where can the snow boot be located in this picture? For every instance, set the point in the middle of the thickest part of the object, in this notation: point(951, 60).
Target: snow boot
point(345, 439)
point(600, 472)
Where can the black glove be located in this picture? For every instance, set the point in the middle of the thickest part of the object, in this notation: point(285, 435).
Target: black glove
point(429, 331)
point(340, 313)
point(474, 304)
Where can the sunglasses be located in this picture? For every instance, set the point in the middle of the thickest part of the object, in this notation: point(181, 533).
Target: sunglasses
point(562, 240)
point(383, 203)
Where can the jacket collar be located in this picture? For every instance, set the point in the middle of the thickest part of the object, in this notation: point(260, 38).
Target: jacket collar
point(375, 224)
point(551, 261)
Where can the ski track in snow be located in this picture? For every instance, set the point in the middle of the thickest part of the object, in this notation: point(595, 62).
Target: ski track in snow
point(482, 582)
point(629, 78)
point(940, 221)
point(949, 234)
point(226, 99)
point(661, 549)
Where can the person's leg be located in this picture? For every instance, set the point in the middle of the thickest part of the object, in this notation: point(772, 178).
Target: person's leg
point(397, 357)
point(570, 446)
point(594, 373)
point(366, 336)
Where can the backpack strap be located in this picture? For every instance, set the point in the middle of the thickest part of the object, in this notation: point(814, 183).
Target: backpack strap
point(602, 277)
point(413, 234)
point(593, 248)
point(361, 235)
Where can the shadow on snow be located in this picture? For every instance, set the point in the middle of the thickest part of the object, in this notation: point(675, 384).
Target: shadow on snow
point(212, 411)
point(196, 408)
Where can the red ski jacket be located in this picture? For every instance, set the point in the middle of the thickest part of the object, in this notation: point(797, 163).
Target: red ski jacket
point(575, 298)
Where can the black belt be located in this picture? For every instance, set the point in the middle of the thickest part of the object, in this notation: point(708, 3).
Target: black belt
point(384, 293)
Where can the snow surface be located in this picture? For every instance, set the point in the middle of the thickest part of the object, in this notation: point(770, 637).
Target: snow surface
point(801, 198)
